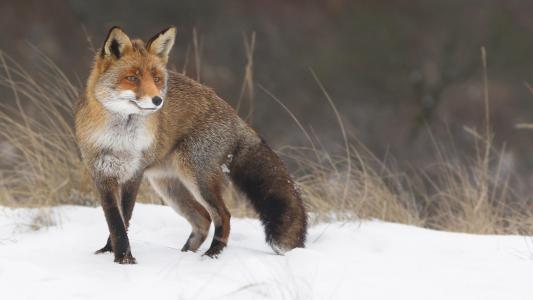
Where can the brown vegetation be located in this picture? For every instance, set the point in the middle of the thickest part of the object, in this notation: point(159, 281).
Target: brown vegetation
point(468, 195)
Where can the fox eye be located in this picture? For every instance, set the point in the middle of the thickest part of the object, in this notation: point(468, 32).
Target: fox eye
point(132, 78)
point(157, 79)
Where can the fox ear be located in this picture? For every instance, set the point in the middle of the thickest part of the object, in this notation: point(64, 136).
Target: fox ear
point(116, 43)
point(161, 44)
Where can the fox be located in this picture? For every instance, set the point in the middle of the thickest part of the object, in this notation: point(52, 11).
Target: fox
point(138, 119)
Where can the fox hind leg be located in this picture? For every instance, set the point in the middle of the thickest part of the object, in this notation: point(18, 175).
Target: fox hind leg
point(210, 189)
point(206, 187)
point(176, 195)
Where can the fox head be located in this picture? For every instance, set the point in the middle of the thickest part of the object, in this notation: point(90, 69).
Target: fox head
point(129, 76)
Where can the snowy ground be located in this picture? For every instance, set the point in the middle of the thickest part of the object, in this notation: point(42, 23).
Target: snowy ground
point(372, 260)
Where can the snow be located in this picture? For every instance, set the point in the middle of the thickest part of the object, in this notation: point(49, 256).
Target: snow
point(359, 260)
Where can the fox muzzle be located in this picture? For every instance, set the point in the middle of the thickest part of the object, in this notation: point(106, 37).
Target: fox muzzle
point(148, 104)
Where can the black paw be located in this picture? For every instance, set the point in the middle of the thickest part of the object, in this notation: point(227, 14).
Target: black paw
point(215, 250)
point(127, 259)
point(194, 242)
point(186, 247)
point(106, 248)
point(211, 254)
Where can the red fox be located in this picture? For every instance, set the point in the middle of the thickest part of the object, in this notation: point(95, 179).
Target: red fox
point(139, 119)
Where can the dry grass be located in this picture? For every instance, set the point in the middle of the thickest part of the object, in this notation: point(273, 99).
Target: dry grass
point(468, 196)
point(45, 165)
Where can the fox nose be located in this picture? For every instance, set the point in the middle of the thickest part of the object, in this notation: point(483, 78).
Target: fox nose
point(157, 100)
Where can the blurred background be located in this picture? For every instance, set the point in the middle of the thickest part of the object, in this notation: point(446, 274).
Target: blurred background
point(402, 73)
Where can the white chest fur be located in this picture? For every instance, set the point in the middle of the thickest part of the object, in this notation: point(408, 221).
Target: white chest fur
point(123, 142)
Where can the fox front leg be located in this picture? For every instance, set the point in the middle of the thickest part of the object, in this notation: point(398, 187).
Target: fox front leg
point(108, 189)
point(128, 197)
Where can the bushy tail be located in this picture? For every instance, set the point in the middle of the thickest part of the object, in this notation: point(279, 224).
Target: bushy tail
point(258, 172)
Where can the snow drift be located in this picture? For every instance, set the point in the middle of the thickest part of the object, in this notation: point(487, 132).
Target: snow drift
point(367, 260)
